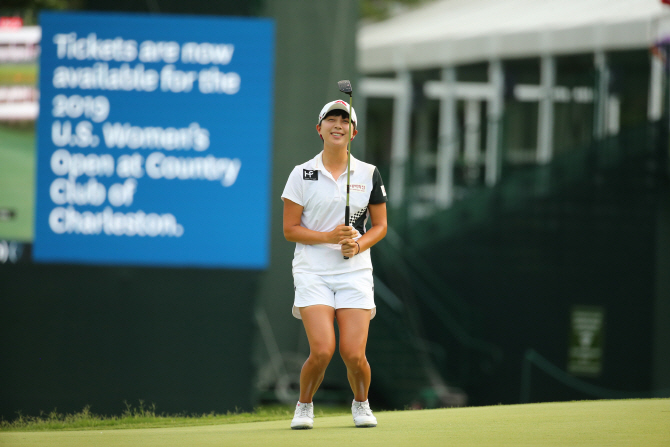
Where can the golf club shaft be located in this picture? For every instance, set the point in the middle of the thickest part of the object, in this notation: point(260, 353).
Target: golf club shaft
point(346, 208)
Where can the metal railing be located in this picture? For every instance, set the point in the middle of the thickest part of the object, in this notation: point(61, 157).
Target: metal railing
point(533, 358)
point(410, 286)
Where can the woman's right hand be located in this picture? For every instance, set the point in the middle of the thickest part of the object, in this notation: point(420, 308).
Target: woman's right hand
point(340, 233)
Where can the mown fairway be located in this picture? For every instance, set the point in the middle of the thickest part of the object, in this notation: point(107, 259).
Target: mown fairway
point(595, 423)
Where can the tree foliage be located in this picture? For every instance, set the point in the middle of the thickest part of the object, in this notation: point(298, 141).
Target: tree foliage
point(376, 10)
point(28, 9)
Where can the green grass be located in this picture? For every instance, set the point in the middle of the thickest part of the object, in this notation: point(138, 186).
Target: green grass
point(18, 74)
point(146, 417)
point(643, 422)
point(17, 182)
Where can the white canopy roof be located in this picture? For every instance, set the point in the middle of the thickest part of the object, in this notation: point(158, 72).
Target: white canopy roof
point(451, 32)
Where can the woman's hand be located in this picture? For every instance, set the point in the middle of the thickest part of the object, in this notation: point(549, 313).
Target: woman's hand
point(349, 248)
point(341, 233)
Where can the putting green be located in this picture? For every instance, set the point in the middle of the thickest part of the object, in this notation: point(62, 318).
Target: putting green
point(594, 423)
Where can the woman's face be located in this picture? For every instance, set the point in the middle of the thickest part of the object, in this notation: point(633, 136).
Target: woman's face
point(334, 130)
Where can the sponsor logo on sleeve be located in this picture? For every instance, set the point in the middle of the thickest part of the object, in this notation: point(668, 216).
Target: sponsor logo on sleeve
point(310, 174)
point(383, 190)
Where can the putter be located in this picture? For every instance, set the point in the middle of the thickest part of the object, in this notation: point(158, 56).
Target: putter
point(345, 87)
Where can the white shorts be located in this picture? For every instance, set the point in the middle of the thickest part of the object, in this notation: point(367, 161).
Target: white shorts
point(352, 290)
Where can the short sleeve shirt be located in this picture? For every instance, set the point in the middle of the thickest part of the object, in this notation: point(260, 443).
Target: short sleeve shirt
point(323, 199)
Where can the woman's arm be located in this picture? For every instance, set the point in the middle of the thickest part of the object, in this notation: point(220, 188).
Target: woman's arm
point(375, 234)
point(294, 232)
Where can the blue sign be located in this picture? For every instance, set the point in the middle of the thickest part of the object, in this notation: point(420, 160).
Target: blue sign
point(154, 140)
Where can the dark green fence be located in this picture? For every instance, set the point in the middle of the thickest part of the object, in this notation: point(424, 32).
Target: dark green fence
point(72, 336)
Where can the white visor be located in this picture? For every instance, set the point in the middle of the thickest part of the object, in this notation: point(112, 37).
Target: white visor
point(337, 105)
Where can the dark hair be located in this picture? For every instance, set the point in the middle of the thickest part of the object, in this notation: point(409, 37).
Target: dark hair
point(337, 112)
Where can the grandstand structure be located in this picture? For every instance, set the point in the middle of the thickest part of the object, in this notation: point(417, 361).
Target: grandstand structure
point(467, 78)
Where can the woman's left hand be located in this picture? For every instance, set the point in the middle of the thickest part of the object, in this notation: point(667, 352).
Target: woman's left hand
point(349, 248)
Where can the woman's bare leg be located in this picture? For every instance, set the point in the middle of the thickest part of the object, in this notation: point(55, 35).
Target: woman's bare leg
point(353, 325)
point(318, 322)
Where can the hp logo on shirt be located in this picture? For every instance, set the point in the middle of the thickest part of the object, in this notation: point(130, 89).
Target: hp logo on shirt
point(310, 174)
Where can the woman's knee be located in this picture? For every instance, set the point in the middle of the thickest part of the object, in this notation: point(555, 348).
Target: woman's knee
point(353, 358)
point(322, 354)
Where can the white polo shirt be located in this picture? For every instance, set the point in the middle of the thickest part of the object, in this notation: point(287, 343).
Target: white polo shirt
point(323, 199)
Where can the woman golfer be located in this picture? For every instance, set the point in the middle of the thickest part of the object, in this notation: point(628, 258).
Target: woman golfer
point(329, 287)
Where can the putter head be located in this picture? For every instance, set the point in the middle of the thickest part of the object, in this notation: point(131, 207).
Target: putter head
point(345, 87)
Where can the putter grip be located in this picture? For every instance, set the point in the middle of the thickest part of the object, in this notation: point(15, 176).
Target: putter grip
point(346, 220)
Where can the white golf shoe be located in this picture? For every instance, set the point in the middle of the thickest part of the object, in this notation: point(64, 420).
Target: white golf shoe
point(362, 414)
point(303, 418)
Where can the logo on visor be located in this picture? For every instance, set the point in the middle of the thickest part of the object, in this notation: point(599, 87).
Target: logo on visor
point(310, 174)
